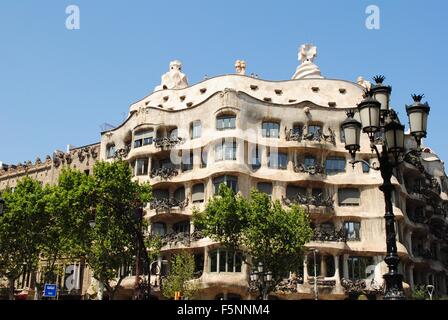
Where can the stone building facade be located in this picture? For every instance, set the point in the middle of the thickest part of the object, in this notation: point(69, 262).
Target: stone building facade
point(283, 138)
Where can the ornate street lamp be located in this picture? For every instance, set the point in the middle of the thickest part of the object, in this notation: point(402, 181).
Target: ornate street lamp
point(369, 112)
point(381, 93)
point(418, 117)
point(262, 280)
point(391, 155)
point(352, 129)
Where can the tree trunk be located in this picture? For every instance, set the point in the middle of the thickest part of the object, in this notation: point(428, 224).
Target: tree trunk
point(11, 288)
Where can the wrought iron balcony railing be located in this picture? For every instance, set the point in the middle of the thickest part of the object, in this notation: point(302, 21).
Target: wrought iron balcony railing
point(329, 235)
point(184, 238)
point(322, 282)
point(123, 152)
point(361, 286)
point(315, 200)
point(167, 142)
point(289, 285)
point(317, 136)
point(311, 169)
point(165, 204)
point(164, 173)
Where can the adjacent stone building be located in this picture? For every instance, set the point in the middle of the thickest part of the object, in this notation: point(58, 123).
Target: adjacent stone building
point(284, 138)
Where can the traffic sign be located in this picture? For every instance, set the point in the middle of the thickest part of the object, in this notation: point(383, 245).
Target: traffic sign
point(50, 290)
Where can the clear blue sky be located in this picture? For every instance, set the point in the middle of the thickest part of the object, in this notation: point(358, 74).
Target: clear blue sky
point(58, 86)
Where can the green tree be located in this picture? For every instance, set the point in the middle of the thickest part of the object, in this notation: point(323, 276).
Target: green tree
point(117, 234)
point(180, 278)
point(21, 229)
point(271, 234)
point(66, 234)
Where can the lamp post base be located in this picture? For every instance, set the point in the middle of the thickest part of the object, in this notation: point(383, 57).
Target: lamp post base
point(394, 287)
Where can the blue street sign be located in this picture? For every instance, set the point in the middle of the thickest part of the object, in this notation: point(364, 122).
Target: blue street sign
point(50, 290)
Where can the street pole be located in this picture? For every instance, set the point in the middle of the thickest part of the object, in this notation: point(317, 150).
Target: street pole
point(316, 294)
point(393, 280)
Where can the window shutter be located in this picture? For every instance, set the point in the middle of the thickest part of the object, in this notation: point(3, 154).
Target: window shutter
point(265, 187)
point(348, 197)
point(198, 193)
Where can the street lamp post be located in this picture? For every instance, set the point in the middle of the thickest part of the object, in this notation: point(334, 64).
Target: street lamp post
point(142, 287)
point(316, 292)
point(376, 116)
point(262, 280)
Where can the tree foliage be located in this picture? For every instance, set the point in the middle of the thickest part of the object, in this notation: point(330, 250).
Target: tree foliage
point(117, 232)
point(53, 222)
point(270, 233)
point(182, 266)
point(21, 229)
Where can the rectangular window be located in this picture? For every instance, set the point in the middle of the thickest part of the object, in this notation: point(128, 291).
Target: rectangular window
point(348, 197)
point(225, 122)
point(255, 161)
point(196, 129)
point(293, 191)
point(357, 267)
point(309, 161)
point(204, 158)
point(214, 261)
point(198, 193)
point(278, 160)
point(143, 138)
point(230, 181)
point(110, 153)
point(158, 228)
point(187, 160)
point(222, 261)
point(270, 129)
point(297, 129)
point(160, 194)
point(226, 150)
point(365, 167)
point(265, 187)
point(335, 165)
point(351, 229)
point(182, 227)
point(314, 130)
point(141, 167)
